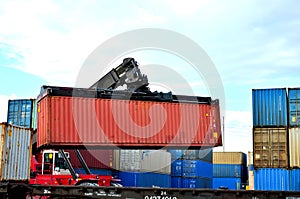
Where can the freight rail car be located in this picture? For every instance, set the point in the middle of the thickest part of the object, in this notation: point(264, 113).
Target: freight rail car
point(22, 191)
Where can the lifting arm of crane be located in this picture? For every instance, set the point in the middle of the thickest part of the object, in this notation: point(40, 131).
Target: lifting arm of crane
point(127, 73)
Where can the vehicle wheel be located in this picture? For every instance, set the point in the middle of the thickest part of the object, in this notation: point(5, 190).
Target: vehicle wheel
point(116, 184)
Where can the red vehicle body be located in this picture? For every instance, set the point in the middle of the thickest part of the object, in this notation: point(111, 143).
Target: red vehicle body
point(49, 168)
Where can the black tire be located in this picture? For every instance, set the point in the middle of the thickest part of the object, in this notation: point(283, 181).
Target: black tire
point(88, 184)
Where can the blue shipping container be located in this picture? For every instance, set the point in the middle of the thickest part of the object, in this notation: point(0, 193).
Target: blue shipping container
point(294, 180)
point(294, 106)
point(196, 182)
point(176, 168)
point(176, 182)
point(272, 179)
point(230, 183)
point(229, 170)
point(269, 107)
point(22, 112)
point(197, 168)
point(143, 179)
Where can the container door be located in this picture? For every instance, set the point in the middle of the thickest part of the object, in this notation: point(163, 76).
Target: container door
point(270, 148)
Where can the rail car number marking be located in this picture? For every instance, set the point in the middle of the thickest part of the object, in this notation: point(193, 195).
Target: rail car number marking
point(160, 197)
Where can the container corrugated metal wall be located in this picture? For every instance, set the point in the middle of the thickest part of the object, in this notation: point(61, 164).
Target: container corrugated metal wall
point(294, 147)
point(191, 168)
point(277, 179)
point(22, 112)
point(15, 152)
point(270, 148)
point(176, 168)
point(295, 180)
point(81, 121)
point(197, 182)
point(176, 182)
point(294, 106)
point(230, 183)
point(229, 170)
point(141, 179)
point(197, 168)
point(100, 159)
point(185, 182)
point(269, 107)
point(229, 158)
point(144, 160)
point(272, 179)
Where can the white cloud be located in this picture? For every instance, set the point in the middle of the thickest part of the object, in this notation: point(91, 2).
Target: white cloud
point(144, 16)
point(59, 36)
point(239, 118)
point(251, 42)
point(187, 8)
point(56, 42)
point(53, 54)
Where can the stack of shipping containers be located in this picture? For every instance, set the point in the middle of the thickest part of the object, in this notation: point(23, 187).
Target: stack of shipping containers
point(143, 168)
point(191, 168)
point(270, 138)
point(294, 137)
point(140, 168)
point(275, 141)
point(229, 170)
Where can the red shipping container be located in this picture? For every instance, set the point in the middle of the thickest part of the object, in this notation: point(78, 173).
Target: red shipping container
point(66, 121)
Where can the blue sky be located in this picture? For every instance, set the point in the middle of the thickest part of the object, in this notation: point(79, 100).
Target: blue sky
point(253, 44)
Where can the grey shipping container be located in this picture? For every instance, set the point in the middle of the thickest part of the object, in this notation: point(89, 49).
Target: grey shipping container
point(294, 146)
point(203, 154)
point(15, 152)
point(158, 161)
point(270, 147)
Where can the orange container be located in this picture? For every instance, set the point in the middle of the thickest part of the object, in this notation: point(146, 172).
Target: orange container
point(68, 121)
